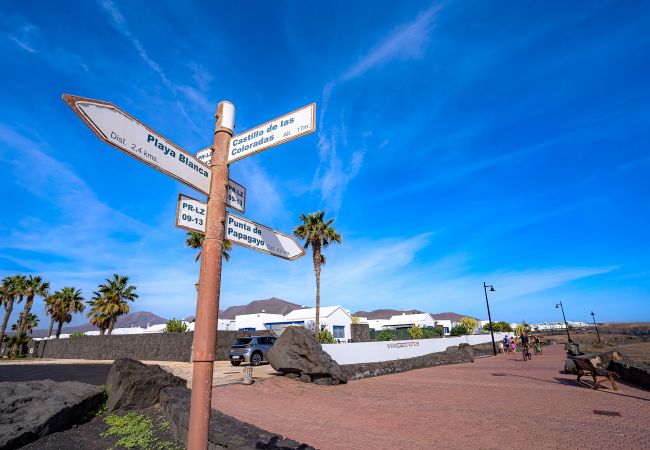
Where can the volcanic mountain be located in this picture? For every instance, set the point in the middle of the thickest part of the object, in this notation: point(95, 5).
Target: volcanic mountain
point(272, 305)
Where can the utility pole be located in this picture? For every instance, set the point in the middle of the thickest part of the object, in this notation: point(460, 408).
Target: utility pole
point(485, 286)
point(207, 307)
point(593, 317)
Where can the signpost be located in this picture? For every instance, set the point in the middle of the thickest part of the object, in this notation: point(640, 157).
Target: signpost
point(125, 133)
point(250, 234)
point(236, 196)
point(191, 214)
point(204, 155)
point(278, 131)
point(208, 174)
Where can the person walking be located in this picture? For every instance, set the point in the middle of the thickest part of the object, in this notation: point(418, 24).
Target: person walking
point(513, 344)
point(506, 344)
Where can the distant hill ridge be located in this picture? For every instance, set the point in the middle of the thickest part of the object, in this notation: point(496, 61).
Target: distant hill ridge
point(271, 305)
point(134, 319)
point(388, 313)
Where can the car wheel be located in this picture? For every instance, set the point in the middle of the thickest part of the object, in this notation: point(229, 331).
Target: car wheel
point(256, 359)
point(235, 363)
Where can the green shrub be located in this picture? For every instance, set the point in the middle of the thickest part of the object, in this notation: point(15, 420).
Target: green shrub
point(430, 332)
point(175, 326)
point(459, 330)
point(325, 337)
point(77, 334)
point(500, 326)
point(386, 335)
point(416, 331)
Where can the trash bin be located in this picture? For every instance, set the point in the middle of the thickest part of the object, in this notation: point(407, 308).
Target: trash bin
point(248, 375)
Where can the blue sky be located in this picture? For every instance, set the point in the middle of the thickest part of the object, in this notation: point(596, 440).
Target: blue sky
point(458, 142)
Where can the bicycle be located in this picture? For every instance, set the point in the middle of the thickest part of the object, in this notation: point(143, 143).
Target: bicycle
point(526, 353)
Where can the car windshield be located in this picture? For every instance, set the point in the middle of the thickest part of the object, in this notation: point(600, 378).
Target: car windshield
point(243, 341)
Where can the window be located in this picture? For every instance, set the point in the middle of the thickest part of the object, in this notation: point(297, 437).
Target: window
point(339, 332)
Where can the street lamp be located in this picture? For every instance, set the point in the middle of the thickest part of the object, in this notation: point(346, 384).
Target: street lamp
point(487, 302)
point(559, 305)
point(593, 317)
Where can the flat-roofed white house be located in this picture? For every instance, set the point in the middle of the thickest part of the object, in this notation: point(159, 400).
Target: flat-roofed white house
point(402, 321)
point(254, 322)
point(335, 319)
point(447, 325)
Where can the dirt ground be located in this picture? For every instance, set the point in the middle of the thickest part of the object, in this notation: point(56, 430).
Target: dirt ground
point(634, 348)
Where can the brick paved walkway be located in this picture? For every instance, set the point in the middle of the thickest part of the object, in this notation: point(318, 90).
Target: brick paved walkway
point(494, 403)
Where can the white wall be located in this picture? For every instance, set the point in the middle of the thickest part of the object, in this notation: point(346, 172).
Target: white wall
point(367, 352)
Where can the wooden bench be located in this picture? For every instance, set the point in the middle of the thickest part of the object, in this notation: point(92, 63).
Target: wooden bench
point(585, 367)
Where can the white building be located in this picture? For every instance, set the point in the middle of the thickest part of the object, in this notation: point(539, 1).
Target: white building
point(447, 325)
point(335, 319)
point(408, 320)
point(225, 324)
point(254, 322)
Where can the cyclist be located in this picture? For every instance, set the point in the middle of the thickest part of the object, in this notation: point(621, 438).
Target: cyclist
point(538, 345)
point(524, 343)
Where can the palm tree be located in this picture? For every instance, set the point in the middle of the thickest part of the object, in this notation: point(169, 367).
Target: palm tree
point(34, 287)
point(19, 340)
point(11, 288)
point(68, 301)
point(195, 240)
point(116, 292)
point(50, 309)
point(97, 315)
point(318, 233)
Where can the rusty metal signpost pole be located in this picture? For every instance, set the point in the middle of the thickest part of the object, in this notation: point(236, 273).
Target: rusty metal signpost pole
point(205, 332)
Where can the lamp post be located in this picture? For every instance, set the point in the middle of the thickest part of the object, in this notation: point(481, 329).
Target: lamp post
point(559, 305)
point(593, 317)
point(487, 302)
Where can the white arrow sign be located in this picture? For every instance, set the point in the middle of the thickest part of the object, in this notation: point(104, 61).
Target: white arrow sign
point(278, 131)
point(124, 132)
point(191, 214)
point(249, 234)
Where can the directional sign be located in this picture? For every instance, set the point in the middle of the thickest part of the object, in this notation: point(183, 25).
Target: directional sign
point(236, 196)
point(278, 131)
point(191, 214)
point(122, 131)
point(205, 155)
point(249, 234)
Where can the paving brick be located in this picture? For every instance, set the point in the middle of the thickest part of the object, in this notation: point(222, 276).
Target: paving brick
point(500, 402)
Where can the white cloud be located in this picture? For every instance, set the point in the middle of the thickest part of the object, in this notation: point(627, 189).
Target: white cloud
point(119, 22)
point(408, 41)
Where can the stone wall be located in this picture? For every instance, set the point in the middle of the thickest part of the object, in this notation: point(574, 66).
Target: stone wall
point(360, 332)
point(631, 372)
point(453, 355)
point(142, 347)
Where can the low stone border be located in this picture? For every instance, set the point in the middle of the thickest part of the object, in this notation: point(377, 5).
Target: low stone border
point(225, 431)
point(631, 372)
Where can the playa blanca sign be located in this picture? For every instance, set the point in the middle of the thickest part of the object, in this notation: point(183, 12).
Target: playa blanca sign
point(250, 234)
point(125, 133)
point(278, 131)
